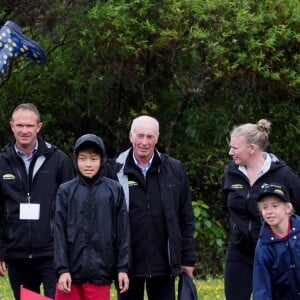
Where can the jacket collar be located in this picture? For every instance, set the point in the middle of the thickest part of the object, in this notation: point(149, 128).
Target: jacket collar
point(267, 237)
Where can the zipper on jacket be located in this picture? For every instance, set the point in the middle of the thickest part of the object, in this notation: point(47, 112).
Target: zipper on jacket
point(249, 221)
point(28, 225)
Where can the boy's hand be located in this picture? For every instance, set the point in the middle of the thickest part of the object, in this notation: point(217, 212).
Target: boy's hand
point(123, 282)
point(64, 283)
point(2, 268)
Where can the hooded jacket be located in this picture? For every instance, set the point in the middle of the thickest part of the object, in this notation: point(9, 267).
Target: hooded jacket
point(49, 168)
point(168, 182)
point(276, 272)
point(92, 238)
point(239, 199)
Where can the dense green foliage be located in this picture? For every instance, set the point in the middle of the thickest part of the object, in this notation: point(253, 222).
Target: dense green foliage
point(200, 67)
point(210, 238)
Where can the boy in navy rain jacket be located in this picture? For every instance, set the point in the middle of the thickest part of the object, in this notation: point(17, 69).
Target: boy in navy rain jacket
point(91, 237)
point(276, 274)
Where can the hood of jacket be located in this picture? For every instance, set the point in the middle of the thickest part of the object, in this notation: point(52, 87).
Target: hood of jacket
point(94, 141)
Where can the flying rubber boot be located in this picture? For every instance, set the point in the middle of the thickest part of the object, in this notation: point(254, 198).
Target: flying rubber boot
point(13, 43)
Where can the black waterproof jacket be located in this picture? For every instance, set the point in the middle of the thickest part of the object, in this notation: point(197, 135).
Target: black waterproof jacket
point(239, 199)
point(173, 187)
point(92, 237)
point(49, 168)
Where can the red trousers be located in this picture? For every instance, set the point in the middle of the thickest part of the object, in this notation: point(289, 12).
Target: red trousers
point(86, 291)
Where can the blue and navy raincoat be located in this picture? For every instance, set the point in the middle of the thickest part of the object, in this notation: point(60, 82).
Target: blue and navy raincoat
point(276, 274)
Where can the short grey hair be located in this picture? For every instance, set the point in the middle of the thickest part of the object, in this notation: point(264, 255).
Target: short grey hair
point(27, 106)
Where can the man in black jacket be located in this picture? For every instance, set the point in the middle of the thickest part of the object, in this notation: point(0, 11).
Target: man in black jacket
point(161, 217)
point(31, 171)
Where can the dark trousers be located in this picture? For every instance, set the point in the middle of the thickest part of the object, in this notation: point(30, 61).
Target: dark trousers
point(158, 288)
point(238, 275)
point(31, 273)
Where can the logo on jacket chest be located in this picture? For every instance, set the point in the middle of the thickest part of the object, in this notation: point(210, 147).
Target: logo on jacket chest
point(237, 186)
point(132, 183)
point(8, 177)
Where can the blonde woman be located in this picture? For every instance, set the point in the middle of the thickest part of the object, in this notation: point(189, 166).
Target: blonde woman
point(251, 166)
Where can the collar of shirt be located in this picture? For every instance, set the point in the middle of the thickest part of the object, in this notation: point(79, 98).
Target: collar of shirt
point(26, 159)
point(265, 168)
point(148, 165)
point(22, 154)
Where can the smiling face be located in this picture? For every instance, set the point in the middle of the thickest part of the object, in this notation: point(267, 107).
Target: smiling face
point(25, 127)
point(144, 137)
point(274, 210)
point(88, 162)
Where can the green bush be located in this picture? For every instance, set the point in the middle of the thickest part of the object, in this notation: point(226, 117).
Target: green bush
point(210, 238)
point(199, 67)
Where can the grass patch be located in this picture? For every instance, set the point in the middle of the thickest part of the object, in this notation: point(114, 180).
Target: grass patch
point(207, 290)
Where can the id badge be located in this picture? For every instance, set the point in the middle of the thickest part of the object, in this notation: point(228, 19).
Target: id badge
point(29, 211)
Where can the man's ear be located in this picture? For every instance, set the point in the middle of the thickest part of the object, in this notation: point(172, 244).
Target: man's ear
point(40, 125)
point(130, 136)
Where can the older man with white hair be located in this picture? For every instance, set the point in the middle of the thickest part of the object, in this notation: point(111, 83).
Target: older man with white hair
point(161, 215)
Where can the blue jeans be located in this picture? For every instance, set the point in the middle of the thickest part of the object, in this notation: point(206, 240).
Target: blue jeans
point(158, 288)
point(31, 273)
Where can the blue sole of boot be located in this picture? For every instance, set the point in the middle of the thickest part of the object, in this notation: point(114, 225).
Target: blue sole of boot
point(29, 43)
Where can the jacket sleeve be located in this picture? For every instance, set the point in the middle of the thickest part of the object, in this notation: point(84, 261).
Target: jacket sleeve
point(225, 188)
point(61, 262)
point(123, 233)
point(65, 171)
point(186, 221)
point(2, 221)
point(2, 242)
point(293, 186)
point(223, 195)
point(262, 287)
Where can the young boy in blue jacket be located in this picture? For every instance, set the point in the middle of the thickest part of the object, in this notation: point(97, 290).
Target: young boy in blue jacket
point(276, 274)
point(91, 235)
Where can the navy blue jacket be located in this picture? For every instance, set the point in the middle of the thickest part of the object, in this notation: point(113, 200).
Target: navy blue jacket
point(239, 199)
point(49, 168)
point(276, 274)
